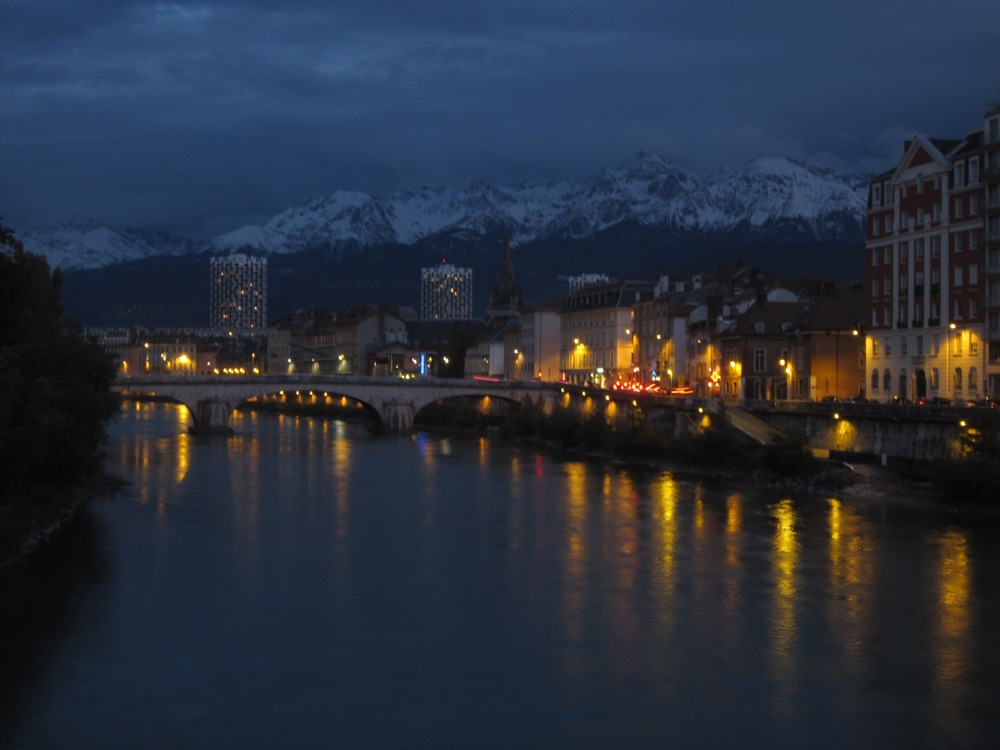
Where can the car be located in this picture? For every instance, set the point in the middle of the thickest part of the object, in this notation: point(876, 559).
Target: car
point(830, 399)
point(938, 401)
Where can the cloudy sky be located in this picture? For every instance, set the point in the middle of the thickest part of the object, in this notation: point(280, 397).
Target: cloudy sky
point(199, 117)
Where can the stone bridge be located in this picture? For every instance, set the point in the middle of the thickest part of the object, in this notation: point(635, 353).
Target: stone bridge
point(395, 402)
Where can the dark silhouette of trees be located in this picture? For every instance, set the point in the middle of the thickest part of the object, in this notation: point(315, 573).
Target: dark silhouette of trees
point(55, 398)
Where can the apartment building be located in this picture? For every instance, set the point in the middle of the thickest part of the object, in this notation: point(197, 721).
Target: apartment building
point(926, 280)
point(320, 342)
point(797, 350)
point(537, 354)
point(991, 179)
point(595, 331)
point(445, 293)
point(238, 298)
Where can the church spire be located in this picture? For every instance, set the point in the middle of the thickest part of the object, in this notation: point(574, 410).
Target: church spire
point(505, 295)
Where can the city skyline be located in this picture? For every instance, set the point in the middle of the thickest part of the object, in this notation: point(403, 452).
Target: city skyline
point(202, 117)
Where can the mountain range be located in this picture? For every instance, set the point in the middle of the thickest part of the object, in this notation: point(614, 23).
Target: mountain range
point(645, 216)
point(824, 205)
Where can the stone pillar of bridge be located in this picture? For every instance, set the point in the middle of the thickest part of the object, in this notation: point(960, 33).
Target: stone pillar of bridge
point(211, 417)
point(397, 416)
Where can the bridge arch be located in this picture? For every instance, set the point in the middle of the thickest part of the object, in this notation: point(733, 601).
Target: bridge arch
point(395, 402)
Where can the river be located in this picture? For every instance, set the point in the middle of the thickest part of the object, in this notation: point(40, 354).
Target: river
point(305, 583)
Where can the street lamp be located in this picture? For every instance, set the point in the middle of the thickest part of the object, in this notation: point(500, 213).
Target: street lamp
point(947, 365)
point(787, 366)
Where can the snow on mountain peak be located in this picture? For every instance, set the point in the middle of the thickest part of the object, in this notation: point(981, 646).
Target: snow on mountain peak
point(645, 189)
point(74, 245)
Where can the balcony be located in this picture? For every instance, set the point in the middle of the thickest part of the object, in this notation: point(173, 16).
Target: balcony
point(901, 324)
point(917, 323)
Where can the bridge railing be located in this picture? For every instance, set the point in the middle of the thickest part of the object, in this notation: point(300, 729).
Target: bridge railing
point(306, 379)
point(865, 409)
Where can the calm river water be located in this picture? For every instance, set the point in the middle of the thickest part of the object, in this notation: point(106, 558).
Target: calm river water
point(307, 584)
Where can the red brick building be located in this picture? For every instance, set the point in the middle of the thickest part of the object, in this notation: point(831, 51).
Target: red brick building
point(927, 274)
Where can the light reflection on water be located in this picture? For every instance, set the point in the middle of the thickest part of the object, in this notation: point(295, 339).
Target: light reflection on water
point(304, 580)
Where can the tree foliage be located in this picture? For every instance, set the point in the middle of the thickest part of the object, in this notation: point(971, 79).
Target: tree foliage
point(55, 398)
point(976, 475)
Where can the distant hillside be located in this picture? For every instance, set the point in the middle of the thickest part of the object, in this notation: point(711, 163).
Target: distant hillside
point(642, 219)
point(175, 291)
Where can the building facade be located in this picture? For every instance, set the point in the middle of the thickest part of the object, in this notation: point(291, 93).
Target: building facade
point(539, 343)
point(596, 332)
point(795, 350)
point(239, 295)
point(446, 293)
point(991, 178)
point(349, 342)
point(926, 274)
point(659, 335)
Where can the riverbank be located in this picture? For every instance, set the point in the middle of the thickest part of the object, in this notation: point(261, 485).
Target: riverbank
point(780, 467)
point(26, 524)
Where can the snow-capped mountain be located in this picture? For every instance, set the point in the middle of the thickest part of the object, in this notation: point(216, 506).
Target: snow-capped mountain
point(645, 190)
point(82, 245)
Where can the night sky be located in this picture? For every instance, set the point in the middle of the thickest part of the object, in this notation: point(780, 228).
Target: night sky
point(199, 117)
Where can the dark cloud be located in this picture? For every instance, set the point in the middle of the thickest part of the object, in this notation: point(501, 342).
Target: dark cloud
point(191, 115)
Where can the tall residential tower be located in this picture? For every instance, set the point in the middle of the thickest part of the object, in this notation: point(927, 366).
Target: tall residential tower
point(239, 295)
point(446, 293)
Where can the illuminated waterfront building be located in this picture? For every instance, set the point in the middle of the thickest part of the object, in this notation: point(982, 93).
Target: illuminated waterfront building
point(595, 332)
point(933, 270)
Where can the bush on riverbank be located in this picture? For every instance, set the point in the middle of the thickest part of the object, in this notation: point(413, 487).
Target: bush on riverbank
point(975, 476)
point(55, 400)
point(716, 447)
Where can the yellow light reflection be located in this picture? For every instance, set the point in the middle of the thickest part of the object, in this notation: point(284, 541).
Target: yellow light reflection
point(734, 527)
point(734, 583)
point(847, 558)
point(954, 645)
point(664, 497)
point(244, 458)
point(783, 625)
point(158, 464)
point(699, 514)
point(852, 575)
point(183, 458)
point(342, 462)
point(575, 573)
point(954, 599)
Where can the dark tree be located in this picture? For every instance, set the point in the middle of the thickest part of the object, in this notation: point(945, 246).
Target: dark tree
point(55, 398)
